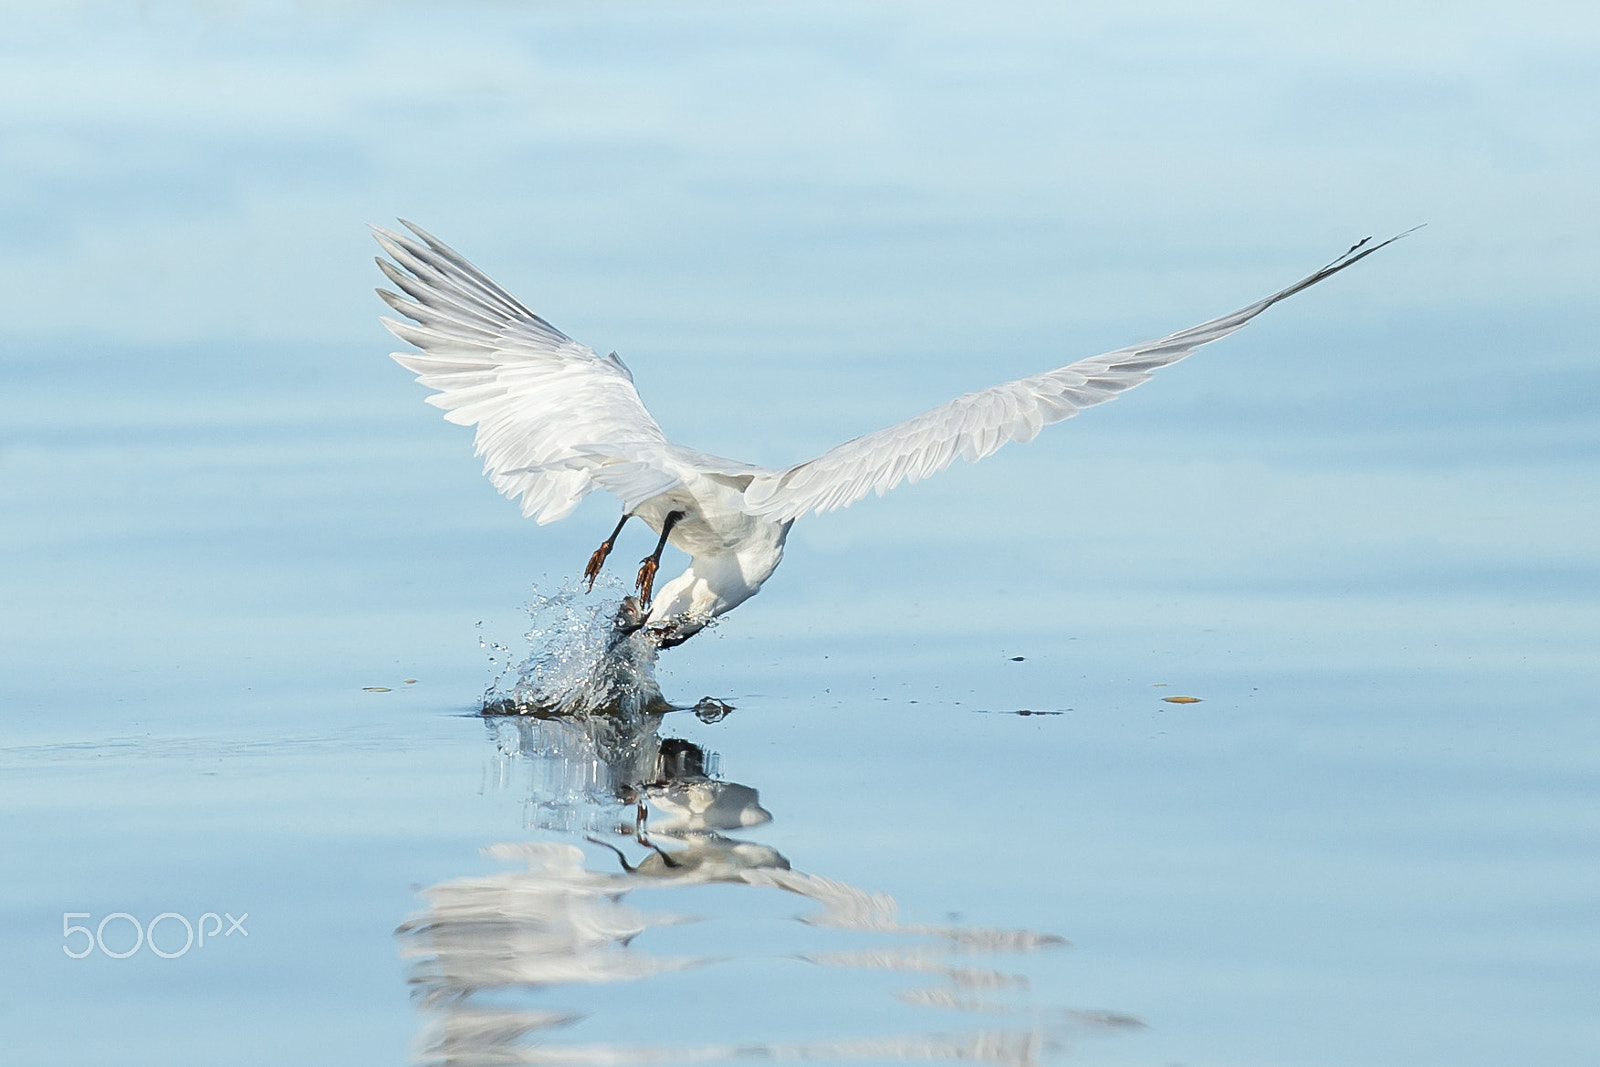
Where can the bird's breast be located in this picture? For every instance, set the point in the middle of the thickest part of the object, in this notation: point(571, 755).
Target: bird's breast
point(742, 549)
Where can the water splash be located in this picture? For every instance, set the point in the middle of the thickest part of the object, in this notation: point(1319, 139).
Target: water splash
point(578, 662)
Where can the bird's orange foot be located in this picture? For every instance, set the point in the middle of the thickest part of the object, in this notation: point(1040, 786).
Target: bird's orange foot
point(647, 580)
point(596, 561)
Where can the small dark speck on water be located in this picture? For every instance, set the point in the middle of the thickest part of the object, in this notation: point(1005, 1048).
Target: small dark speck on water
point(1018, 659)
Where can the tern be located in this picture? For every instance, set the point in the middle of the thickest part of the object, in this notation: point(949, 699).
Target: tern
point(556, 421)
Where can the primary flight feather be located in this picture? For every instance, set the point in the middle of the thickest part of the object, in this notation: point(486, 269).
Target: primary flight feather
point(555, 421)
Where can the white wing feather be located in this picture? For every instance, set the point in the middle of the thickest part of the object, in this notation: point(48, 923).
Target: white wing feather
point(977, 424)
point(552, 416)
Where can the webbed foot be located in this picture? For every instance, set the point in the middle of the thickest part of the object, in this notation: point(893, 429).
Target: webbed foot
point(648, 565)
point(646, 582)
point(596, 561)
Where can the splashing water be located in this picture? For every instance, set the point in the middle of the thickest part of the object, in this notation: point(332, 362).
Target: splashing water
point(578, 663)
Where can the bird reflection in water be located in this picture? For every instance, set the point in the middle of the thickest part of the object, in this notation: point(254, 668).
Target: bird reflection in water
point(486, 951)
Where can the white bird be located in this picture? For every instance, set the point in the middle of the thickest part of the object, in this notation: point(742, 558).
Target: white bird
point(557, 421)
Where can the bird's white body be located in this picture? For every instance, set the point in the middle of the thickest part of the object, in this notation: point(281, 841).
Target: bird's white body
point(731, 552)
point(555, 421)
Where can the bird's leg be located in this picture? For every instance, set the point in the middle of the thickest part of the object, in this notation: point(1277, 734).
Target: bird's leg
point(598, 560)
point(649, 565)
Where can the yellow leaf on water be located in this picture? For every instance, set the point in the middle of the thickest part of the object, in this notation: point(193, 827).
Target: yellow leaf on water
point(1181, 700)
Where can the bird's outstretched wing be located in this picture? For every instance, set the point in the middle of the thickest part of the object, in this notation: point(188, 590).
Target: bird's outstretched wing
point(550, 413)
point(977, 424)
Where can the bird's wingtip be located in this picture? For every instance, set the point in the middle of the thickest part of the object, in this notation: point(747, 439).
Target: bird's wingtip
point(426, 237)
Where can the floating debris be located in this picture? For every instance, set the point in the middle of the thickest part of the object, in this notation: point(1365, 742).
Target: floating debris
point(1181, 700)
point(376, 689)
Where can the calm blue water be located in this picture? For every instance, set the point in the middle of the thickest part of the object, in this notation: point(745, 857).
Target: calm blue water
point(247, 572)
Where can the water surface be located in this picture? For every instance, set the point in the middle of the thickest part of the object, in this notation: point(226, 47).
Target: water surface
point(249, 578)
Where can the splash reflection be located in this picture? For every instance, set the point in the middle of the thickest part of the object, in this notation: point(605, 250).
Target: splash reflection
point(640, 815)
